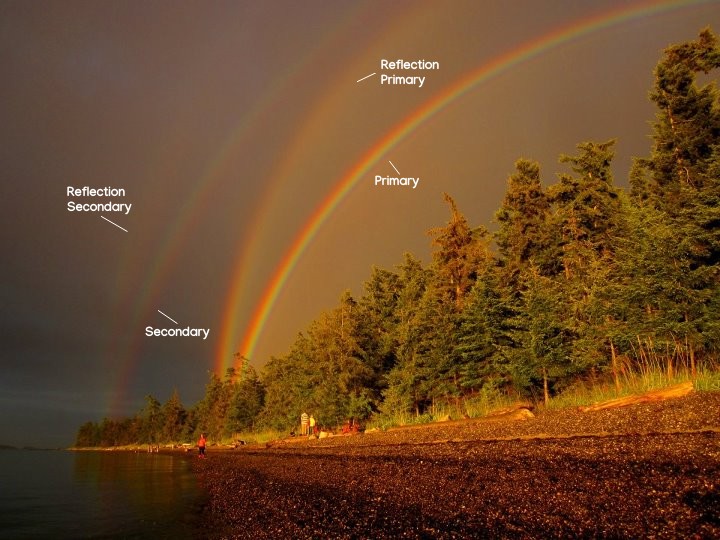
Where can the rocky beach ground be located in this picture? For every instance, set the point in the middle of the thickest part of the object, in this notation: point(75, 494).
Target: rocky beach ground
point(646, 471)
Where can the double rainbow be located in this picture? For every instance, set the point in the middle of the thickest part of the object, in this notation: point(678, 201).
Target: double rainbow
point(523, 53)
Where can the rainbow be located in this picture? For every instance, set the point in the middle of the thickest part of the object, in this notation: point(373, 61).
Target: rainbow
point(521, 54)
point(197, 205)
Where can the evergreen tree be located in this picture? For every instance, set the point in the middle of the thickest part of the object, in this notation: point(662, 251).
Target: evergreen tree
point(589, 219)
point(339, 362)
point(378, 313)
point(481, 335)
point(288, 381)
point(174, 415)
point(526, 236)
point(404, 381)
point(152, 421)
point(88, 435)
point(437, 358)
point(587, 206)
point(544, 352)
point(459, 252)
point(686, 129)
point(246, 402)
point(523, 233)
point(211, 411)
point(681, 178)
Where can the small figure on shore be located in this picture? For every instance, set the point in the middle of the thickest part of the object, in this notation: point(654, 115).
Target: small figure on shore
point(313, 426)
point(201, 445)
point(304, 419)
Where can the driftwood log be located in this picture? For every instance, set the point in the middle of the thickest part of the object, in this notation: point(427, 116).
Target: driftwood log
point(517, 411)
point(675, 391)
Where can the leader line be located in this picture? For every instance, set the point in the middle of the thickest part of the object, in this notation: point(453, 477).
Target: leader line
point(366, 76)
point(118, 226)
point(173, 320)
point(394, 167)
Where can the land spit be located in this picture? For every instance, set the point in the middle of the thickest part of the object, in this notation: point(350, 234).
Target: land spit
point(650, 470)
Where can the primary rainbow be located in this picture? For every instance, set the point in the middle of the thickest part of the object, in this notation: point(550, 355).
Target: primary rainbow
point(391, 139)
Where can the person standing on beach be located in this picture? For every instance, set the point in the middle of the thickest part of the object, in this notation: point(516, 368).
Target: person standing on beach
point(201, 445)
point(304, 424)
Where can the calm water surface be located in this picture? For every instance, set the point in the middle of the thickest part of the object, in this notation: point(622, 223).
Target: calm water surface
point(58, 494)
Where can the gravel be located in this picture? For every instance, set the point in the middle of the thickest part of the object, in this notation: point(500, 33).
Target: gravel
point(646, 471)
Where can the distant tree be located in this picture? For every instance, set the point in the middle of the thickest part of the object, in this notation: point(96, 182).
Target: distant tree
point(88, 435)
point(152, 421)
point(174, 415)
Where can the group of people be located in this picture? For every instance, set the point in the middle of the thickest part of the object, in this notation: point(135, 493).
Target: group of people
point(350, 426)
point(308, 425)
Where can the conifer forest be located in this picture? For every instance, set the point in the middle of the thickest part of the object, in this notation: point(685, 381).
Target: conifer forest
point(579, 284)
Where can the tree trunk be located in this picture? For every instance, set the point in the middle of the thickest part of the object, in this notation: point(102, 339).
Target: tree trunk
point(692, 362)
point(545, 387)
point(614, 367)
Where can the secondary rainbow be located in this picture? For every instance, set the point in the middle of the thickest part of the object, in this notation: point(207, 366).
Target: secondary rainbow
point(523, 53)
point(197, 206)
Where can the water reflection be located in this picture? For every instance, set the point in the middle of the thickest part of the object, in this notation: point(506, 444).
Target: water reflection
point(97, 495)
point(137, 493)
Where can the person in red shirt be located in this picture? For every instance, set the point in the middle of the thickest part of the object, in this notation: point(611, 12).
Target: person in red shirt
point(201, 445)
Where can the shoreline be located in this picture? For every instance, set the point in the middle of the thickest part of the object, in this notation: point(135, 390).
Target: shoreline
point(644, 470)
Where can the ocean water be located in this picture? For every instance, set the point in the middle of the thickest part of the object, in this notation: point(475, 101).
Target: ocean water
point(61, 494)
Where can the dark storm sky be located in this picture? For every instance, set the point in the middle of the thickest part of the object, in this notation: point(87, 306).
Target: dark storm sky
point(227, 123)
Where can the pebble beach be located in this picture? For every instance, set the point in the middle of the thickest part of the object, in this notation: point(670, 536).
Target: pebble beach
point(650, 470)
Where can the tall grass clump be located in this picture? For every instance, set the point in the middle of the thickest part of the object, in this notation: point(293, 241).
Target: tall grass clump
point(477, 404)
point(648, 369)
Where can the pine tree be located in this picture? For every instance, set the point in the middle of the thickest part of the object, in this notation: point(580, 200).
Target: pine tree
point(681, 178)
point(686, 129)
point(481, 334)
point(405, 379)
point(589, 218)
point(289, 382)
point(246, 401)
point(378, 313)
point(88, 435)
point(459, 252)
point(174, 415)
point(523, 233)
point(543, 355)
point(152, 421)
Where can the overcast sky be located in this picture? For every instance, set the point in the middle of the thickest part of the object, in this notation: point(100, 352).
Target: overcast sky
point(227, 124)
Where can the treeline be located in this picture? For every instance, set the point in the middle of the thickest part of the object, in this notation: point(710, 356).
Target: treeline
point(581, 281)
point(230, 405)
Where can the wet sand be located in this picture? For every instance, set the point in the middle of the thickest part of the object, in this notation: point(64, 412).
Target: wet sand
point(650, 470)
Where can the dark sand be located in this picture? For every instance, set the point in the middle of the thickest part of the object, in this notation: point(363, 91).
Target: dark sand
point(646, 471)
